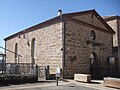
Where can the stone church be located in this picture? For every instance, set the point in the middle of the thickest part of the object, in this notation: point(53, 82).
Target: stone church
point(79, 42)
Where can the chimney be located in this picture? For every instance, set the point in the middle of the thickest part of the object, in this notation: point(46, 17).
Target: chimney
point(59, 12)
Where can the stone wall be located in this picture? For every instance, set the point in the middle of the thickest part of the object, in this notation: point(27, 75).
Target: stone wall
point(78, 50)
point(91, 19)
point(48, 47)
point(113, 25)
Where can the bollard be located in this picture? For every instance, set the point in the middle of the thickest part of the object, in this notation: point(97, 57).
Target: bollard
point(57, 75)
point(57, 81)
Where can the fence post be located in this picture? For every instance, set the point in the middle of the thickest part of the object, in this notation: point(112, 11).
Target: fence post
point(47, 72)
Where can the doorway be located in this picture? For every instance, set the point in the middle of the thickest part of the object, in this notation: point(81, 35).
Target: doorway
point(94, 65)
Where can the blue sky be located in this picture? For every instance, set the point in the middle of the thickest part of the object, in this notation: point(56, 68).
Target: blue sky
point(17, 15)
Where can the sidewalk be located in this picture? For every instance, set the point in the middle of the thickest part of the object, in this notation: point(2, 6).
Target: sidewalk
point(95, 84)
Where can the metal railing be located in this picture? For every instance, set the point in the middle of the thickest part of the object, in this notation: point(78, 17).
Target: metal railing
point(18, 69)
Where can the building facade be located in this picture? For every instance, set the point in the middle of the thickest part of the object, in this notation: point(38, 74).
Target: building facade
point(79, 42)
point(114, 22)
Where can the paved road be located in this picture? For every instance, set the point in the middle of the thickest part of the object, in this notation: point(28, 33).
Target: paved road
point(63, 85)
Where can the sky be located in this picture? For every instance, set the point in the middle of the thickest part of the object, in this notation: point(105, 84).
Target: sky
point(17, 15)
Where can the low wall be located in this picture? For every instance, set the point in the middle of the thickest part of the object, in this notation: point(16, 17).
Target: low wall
point(8, 79)
point(112, 82)
point(18, 73)
point(82, 77)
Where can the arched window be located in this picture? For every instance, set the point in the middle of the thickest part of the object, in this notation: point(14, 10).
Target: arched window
point(16, 51)
point(33, 50)
point(93, 35)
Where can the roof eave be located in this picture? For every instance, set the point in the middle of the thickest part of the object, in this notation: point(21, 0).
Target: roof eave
point(112, 18)
point(35, 27)
point(104, 22)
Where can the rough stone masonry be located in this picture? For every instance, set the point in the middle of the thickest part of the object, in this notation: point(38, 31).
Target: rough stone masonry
point(66, 41)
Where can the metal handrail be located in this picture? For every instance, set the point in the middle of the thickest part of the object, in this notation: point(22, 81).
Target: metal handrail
point(10, 51)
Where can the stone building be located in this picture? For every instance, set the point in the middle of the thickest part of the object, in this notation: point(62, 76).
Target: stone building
point(114, 22)
point(79, 42)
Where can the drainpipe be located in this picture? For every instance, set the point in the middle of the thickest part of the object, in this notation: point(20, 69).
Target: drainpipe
point(63, 40)
point(118, 43)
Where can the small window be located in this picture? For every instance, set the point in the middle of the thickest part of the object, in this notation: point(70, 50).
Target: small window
point(93, 35)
